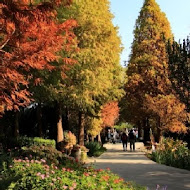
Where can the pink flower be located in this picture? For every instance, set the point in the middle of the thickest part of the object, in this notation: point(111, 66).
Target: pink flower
point(54, 179)
point(32, 161)
point(42, 160)
point(27, 164)
point(46, 168)
point(26, 158)
point(71, 188)
point(63, 169)
point(43, 176)
point(38, 174)
point(74, 185)
point(52, 172)
point(65, 187)
point(55, 167)
point(30, 156)
point(58, 178)
point(51, 184)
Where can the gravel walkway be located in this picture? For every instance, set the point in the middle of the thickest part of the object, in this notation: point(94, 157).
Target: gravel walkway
point(135, 166)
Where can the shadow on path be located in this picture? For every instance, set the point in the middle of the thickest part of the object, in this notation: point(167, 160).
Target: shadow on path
point(135, 166)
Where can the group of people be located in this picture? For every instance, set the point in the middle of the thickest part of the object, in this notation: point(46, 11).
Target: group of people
point(127, 136)
point(131, 137)
point(113, 136)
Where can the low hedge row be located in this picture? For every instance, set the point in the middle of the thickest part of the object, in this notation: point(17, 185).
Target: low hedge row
point(10, 142)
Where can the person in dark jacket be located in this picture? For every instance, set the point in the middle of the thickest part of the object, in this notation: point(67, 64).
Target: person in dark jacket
point(132, 138)
point(124, 139)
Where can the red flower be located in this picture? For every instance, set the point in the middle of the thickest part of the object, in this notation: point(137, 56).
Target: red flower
point(106, 178)
point(86, 174)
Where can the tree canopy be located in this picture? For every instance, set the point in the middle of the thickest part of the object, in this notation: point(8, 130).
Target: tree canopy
point(147, 73)
point(30, 36)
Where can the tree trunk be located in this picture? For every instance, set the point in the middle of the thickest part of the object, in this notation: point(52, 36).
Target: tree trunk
point(39, 120)
point(81, 129)
point(16, 124)
point(146, 130)
point(87, 138)
point(139, 130)
point(65, 118)
point(99, 138)
point(59, 125)
point(159, 131)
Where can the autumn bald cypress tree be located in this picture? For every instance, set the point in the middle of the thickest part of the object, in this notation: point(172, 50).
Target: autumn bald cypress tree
point(97, 77)
point(30, 37)
point(147, 71)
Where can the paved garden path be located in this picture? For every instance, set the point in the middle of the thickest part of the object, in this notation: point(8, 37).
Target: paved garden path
point(135, 166)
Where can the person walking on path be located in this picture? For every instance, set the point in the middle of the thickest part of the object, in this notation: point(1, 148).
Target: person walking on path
point(132, 138)
point(124, 139)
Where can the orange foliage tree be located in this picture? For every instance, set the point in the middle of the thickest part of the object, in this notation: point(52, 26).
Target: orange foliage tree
point(110, 113)
point(30, 36)
point(170, 113)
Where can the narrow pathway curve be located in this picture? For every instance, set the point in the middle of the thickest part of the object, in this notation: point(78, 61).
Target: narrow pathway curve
point(135, 166)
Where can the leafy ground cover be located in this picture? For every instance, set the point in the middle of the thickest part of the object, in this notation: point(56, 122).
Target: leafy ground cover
point(43, 167)
point(95, 149)
point(172, 153)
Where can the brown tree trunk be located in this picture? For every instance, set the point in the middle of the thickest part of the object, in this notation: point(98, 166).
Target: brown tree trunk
point(99, 138)
point(159, 131)
point(139, 130)
point(16, 124)
point(87, 138)
point(67, 118)
point(39, 120)
point(59, 125)
point(146, 130)
point(81, 129)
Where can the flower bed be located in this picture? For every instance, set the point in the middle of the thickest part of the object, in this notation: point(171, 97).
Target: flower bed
point(37, 171)
point(36, 174)
point(172, 153)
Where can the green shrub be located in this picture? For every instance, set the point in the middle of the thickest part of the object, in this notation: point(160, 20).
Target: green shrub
point(42, 152)
point(11, 142)
point(95, 149)
point(172, 153)
point(50, 155)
